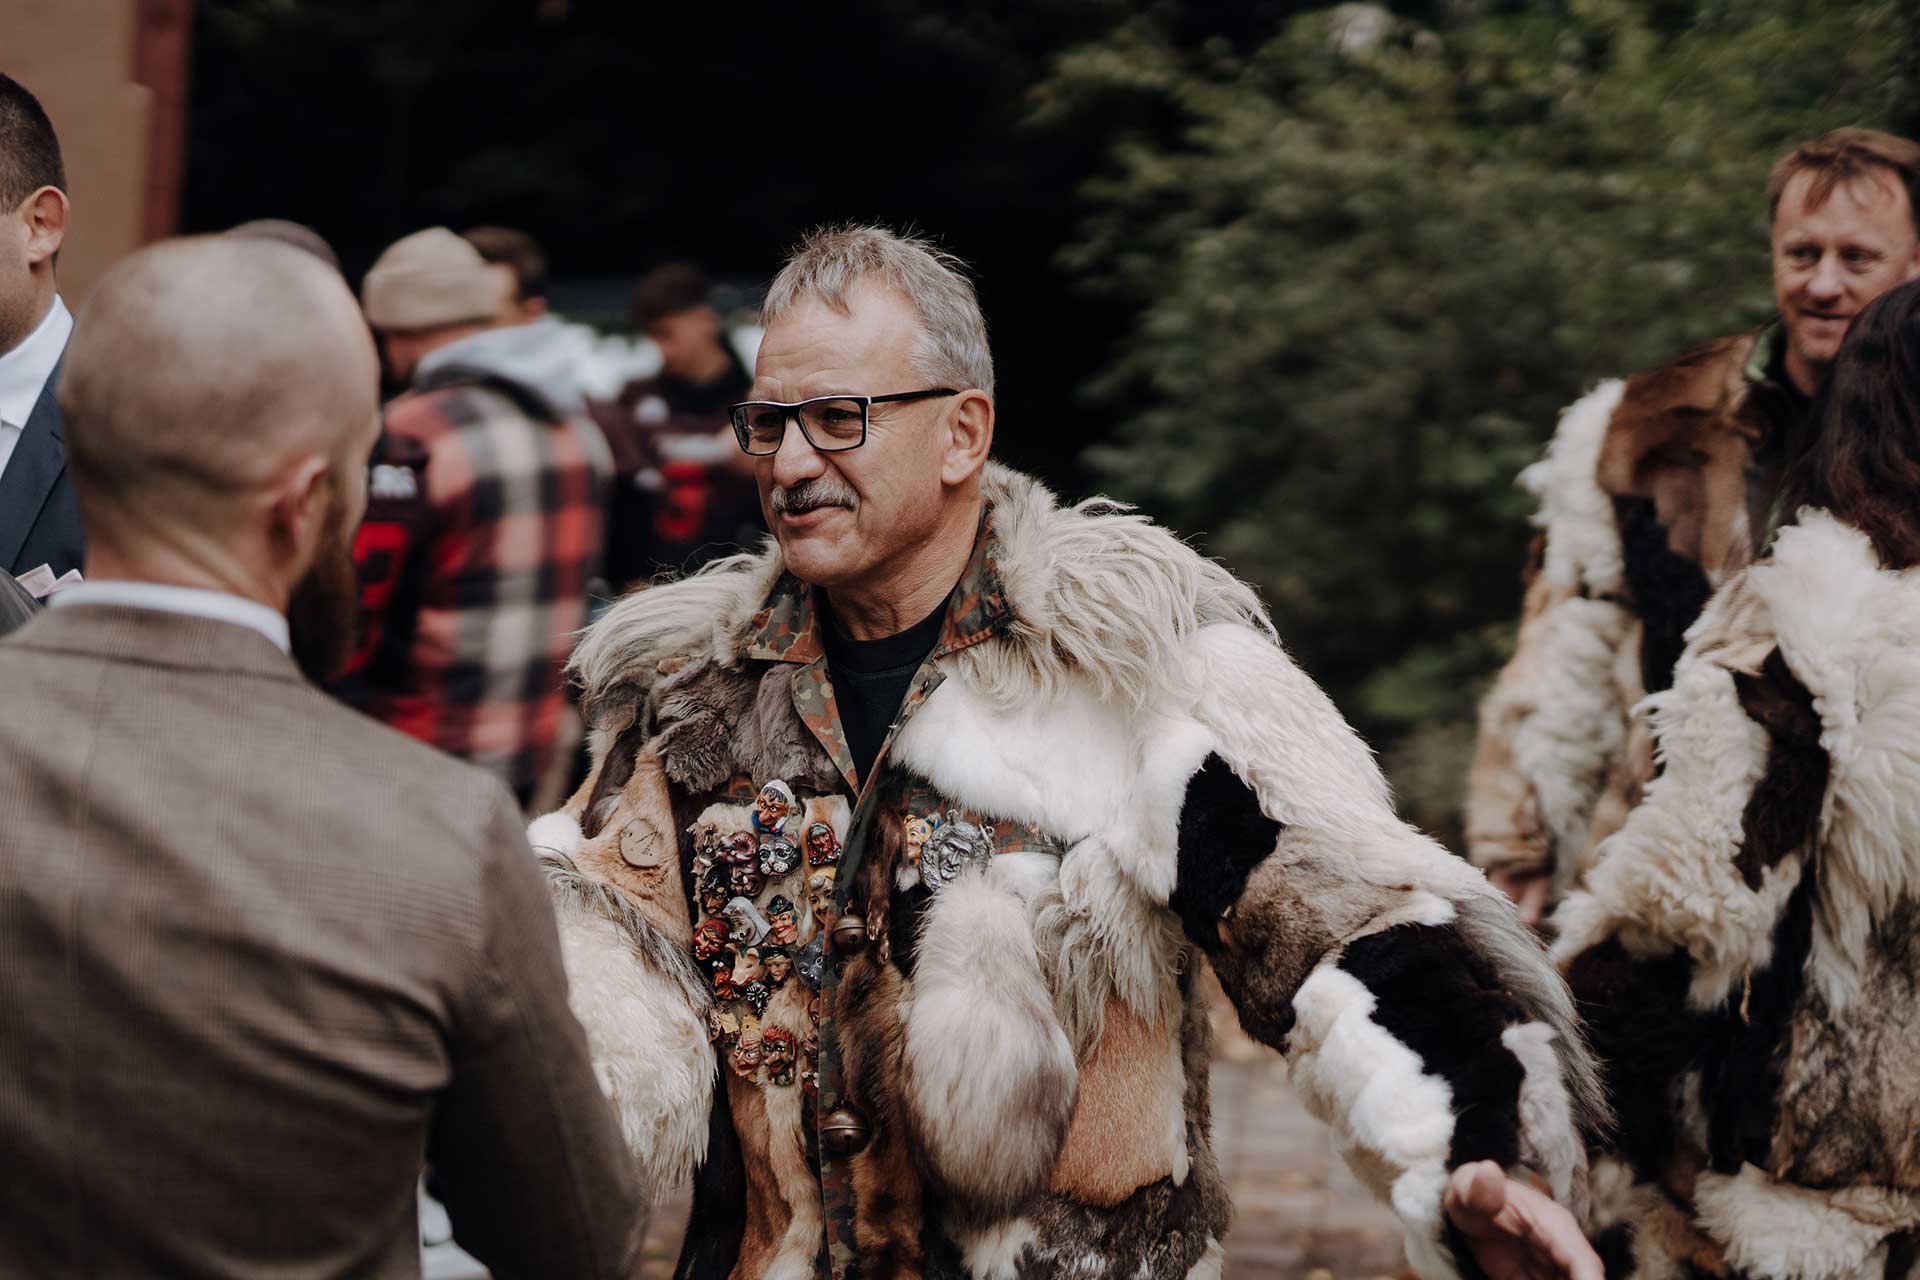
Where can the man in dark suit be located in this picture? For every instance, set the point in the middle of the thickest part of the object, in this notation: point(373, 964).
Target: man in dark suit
point(39, 520)
point(263, 957)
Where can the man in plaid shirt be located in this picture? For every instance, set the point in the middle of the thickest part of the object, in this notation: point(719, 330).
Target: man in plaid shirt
point(486, 520)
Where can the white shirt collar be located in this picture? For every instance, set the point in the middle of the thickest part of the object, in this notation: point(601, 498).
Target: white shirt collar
point(25, 369)
point(217, 605)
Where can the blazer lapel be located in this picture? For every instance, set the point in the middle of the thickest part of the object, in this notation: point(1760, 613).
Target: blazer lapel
point(38, 458)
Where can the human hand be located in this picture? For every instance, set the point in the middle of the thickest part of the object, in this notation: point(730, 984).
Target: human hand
point(1514, 1231)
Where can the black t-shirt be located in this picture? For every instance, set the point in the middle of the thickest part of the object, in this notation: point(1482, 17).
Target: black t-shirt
point(871, 678)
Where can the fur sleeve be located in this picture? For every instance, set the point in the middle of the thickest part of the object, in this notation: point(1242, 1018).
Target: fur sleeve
point(1556, 717)
point(1552, 724)
point(1672, 877)
point(624, 935)
point(1422, 1022)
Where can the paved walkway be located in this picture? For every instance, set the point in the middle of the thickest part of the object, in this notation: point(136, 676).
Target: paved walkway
point(1298, 1213)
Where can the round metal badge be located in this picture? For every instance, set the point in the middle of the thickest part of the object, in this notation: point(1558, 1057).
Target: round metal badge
point(955, 845)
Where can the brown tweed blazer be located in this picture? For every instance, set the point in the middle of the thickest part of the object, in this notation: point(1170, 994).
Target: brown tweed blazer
point(259, 959)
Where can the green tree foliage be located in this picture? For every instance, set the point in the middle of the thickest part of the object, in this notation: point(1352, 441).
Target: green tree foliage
point(1370, 256)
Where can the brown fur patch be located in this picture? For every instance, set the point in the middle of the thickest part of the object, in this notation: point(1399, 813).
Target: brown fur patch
point(1160, 1231)
point(1293, 911)
point(1679, 437)
point(639, 819)
point(1784, 809)
point(766, 1208)
point(1130, 1085)
point(1849, 1092)
point(887, 1183)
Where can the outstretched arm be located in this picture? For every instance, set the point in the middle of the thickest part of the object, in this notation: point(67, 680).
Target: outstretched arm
point(1421, 1020)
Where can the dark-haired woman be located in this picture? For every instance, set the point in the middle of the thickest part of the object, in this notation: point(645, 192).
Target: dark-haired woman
point(1747, 948)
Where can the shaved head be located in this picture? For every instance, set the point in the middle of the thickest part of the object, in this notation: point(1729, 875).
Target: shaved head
point(203, 369)
point(221, 397)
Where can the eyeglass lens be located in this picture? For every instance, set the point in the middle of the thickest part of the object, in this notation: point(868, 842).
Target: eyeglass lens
point(829, 424)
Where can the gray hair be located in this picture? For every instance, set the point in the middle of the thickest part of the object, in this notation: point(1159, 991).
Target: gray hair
point(828, 262)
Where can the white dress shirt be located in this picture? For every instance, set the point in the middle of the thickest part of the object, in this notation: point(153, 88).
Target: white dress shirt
point(24, 372)
point(217, 605)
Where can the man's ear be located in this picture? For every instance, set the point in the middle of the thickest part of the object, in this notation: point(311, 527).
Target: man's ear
point(297, 514)
point(46, 216)
point(969, 437)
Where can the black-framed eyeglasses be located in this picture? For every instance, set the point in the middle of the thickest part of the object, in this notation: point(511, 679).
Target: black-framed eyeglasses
point(830, 423)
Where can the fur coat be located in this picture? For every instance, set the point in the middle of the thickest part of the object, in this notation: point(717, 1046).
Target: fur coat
point(1648, 497)
point(1107, 772)
point(1747, 946)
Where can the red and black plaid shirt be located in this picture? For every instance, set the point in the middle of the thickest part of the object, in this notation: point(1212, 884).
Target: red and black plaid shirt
point(509, 534)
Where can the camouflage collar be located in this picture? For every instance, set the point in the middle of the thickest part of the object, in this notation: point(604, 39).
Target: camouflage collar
point(1766, 351)
point(787, 626)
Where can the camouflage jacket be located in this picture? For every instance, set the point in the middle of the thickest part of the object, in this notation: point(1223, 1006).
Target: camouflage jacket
point(952, 1014)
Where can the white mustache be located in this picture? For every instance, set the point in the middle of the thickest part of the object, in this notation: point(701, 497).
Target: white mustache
point(821, 491)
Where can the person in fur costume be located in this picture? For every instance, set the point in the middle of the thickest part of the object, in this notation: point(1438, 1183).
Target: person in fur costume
point(1747, 946)
point(906, 838)
point(1656, 490)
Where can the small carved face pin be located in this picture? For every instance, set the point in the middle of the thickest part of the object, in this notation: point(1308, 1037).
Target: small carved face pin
point(747, 966)
point(738, 848)
point(745, 879)
point(722, 974)
point(810, 1044)
point(813, 1009)
point(745, 925)
point(781, 922)
point(777, 1051)
point(820, 893)
point(706, 842)
point(823, 847)
point(778, 855)
point(918, 831)
point(774, 805)
point(710, 939)
point(778, 963)
point(810, 961)
point(746, 1053)
point(716, 886)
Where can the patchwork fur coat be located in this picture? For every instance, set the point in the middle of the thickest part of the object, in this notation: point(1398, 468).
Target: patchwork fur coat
point(1747, 946)
point(1654, 491)
point(947, 1024)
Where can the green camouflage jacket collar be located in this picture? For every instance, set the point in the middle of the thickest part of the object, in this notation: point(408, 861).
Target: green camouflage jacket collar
point(787, 626)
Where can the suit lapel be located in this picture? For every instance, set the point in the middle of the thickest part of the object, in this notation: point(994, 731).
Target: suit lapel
point(38, 459)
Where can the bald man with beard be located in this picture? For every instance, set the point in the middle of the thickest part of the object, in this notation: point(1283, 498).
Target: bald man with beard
point(262, 957)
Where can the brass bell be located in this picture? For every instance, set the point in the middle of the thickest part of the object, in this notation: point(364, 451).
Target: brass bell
point(844, 1132)
point(849, 934)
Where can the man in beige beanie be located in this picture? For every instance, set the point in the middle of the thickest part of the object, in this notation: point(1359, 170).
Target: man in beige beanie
point(485, 522)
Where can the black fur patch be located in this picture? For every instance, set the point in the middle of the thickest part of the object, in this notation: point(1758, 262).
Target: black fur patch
point(1784, 809)
point(1442, 1000)
point(616, 768)
point(1223, 837)
point(1668, 589)
point(1903, 1255)
point(1742, 1073)
point(1645, 1037)
point(1159, 1232)
point(717, 1220)
point(1615, 1247)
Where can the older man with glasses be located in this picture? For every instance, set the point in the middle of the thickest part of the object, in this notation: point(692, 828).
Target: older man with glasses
point(963, 784)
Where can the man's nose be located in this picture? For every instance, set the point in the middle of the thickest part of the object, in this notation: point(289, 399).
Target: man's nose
point(796, 459)
point(1827, 280)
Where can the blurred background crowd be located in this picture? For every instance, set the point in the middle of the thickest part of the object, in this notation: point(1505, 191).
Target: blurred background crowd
point(1307, 282)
